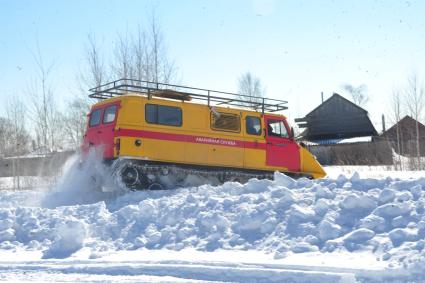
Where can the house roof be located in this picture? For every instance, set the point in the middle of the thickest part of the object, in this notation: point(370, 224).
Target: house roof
point(407, 123)
point(330, 99)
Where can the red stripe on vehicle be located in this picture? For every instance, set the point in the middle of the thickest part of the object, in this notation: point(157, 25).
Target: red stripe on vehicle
point(255, 145)
point(188, 138)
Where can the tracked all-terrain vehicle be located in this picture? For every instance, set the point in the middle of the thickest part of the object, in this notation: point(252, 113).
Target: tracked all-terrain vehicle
point(157, 134)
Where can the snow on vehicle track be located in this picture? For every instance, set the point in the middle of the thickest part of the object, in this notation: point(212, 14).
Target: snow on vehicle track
point(342, 229)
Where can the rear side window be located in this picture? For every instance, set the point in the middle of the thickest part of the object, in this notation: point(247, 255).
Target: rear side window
point(109, 115)
point(253, 125)
point(163, 115)
point(95, 117)
point(225, 122)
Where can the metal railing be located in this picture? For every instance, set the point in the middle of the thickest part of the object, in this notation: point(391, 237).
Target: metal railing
point(211, 97)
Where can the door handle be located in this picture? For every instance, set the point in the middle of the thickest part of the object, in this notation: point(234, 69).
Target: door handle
point(99, 132)
point(277, 144)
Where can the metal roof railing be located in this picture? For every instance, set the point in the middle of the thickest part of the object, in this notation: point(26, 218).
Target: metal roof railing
point(211, 97)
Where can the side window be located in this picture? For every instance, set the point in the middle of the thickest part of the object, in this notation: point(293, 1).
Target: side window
point(95, 117)
point(253, 125)
point(225, 122)
point(151, 113)
point(277, 129)
point(109, 115)
point(163, 115)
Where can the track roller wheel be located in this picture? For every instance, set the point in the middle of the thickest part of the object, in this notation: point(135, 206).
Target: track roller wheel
point(129, 176)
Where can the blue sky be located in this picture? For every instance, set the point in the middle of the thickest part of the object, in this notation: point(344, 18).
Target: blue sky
point(297, 48)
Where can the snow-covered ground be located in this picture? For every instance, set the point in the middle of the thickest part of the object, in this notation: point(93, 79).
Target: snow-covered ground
point(357, 225)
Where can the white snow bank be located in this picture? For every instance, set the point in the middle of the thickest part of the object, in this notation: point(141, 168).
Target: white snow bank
point(260, 215)
point(383, 217)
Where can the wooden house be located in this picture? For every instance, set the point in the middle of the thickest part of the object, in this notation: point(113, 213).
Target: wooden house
point(402, 136)
point(336, 118)
point(334, 130)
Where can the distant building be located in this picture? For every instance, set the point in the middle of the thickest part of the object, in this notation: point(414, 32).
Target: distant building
point(405, 142)
point(336, 119)
point(339, 132)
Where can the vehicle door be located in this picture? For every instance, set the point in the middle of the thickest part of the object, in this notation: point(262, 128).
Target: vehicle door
point(101, 129)
point(281, 150)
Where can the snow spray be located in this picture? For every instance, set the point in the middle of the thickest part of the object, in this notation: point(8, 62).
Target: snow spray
point(82, 182)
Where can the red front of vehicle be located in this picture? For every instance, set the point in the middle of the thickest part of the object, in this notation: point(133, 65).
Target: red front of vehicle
point(101, 124)
point(282, 150)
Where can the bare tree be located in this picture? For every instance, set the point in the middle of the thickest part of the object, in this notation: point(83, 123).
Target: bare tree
point(358, 93)
point(122, 65)
point(250, 89)
point(141, 55)
point(96, 71)
point(75, 121)
point(161, 69)
point(93, 72)
point(43, 109)
point(18, 138)
point(6, 147)
point(415, 102)
point(396, 109)
point(156, 44)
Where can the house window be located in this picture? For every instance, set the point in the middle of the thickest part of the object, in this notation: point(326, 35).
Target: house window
point(277, 128)
point(109, 115)
point(253, 125)
point(163, 115)
point(95, 117)
point(225, 122)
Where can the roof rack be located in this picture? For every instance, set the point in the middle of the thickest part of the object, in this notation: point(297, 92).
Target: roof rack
point(212, 97)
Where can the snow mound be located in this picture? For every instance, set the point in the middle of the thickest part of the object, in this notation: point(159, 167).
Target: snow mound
point(69, 238)
point(280, 216)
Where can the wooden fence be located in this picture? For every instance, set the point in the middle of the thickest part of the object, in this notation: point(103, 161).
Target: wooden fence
point(361, 153)
point(47, 165)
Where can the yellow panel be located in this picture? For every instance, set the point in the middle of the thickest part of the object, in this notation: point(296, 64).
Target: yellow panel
point(225, 155)
point(131, 112)
point(196, 153)
point(129, 148)
point(254, 158)
point(170, 151)
point(310, 165)
point(194, 118)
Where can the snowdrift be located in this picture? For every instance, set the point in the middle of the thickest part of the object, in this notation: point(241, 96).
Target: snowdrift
point(382, 217)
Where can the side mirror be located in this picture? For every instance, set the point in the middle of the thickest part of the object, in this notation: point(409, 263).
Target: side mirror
point(291, 134)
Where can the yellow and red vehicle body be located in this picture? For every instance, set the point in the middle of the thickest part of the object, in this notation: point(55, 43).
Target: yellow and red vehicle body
point(122, 128)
